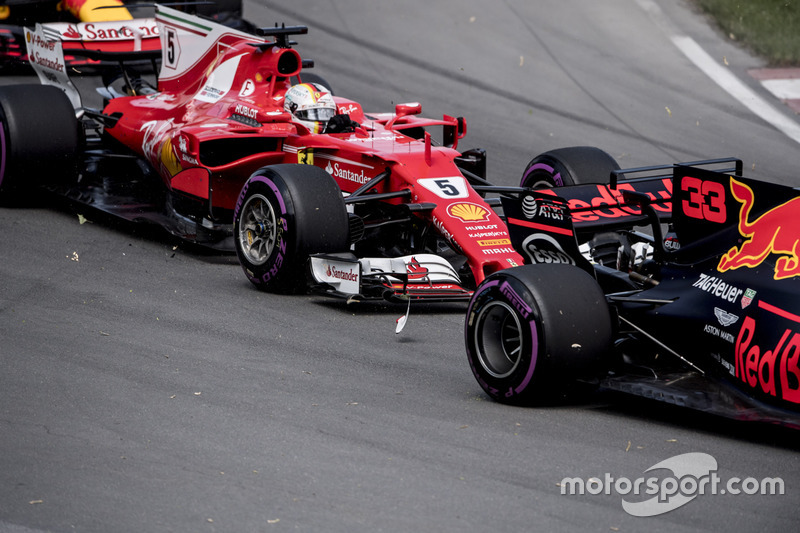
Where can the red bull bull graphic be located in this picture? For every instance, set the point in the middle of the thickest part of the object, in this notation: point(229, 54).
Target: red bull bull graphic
point(775, 232)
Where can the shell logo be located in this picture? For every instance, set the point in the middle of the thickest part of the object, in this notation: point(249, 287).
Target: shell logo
point(468, 212)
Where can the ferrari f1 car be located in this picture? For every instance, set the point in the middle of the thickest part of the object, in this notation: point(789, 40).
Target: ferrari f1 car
point(229, 151)
point(93, 25)
point(710, 321)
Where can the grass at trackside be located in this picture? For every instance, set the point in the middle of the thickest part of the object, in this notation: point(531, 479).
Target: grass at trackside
point(770, 28)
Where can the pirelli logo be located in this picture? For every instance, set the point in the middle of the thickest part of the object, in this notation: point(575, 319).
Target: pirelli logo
point(494, 242)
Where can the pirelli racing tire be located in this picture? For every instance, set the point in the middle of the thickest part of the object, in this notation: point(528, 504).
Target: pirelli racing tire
point(284, 214)
point(39, 136)
point(575, 165)
point(538, 333)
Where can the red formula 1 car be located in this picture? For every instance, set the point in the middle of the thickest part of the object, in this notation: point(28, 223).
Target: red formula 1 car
point(711, 321)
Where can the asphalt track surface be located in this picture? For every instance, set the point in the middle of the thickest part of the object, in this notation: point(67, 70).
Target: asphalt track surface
point(146, 386)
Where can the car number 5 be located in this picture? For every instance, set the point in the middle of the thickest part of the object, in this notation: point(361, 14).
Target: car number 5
point(450, 187)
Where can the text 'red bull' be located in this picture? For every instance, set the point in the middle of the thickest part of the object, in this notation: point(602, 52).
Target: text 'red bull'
point(776, 371)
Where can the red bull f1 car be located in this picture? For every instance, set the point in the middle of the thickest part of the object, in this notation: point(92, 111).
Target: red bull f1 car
point(709, 320)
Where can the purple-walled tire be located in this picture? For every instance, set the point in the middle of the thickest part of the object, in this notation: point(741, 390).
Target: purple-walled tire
point(284, 214)
point(575, 165)
point(537, 333)
point(39, 136)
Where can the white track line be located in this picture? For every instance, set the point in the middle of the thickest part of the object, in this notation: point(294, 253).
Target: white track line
point(736, 88)
point(722, 76)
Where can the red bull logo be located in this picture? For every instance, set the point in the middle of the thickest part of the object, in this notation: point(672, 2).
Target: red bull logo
point(775, 232)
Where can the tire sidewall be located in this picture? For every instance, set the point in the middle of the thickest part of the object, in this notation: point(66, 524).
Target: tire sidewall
point(565, 329)
point(518, 386)
point(573, 165)
point(545, 171)
point(41, 136)
point(280, 261)
point(5, 152)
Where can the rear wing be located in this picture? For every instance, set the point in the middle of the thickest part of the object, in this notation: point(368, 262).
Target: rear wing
point(46, 56)
point(714, 210)
point(112, 42)
point(557, 220)
point(617, 204)
point(201, 56)
point(190, 45)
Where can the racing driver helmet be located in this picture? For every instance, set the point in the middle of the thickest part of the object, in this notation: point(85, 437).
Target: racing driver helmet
point(311, 104)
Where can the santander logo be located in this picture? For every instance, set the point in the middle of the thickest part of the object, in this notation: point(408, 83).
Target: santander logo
point(342, 173)
point(335, 273)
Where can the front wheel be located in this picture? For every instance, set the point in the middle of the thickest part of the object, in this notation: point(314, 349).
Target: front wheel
point(533, 332)
point(284, 214)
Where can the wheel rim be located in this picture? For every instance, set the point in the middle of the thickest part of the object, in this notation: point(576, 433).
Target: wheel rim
point(542, 184)
point(498, 339)
point(258, 229)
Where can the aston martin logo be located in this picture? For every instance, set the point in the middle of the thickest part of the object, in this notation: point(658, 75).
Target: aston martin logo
point(725, 318)
point(468, 212)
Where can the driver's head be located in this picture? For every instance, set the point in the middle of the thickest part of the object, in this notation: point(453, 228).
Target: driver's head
point(311, 104)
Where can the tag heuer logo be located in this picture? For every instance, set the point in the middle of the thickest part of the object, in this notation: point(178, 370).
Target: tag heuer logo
point(747, 298)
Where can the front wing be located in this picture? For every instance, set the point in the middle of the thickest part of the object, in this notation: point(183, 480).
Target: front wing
point(413, 277)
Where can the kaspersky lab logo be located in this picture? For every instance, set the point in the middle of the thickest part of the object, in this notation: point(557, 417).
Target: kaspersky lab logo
point(674, 483)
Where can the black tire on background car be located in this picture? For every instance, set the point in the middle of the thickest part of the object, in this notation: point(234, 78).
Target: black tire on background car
point(218, 6)
point(575, 165)
point(39, 136)
point(312, 77)
point(536, 333)
point(284, 214)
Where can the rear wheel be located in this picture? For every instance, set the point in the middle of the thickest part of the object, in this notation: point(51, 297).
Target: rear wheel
point(534, 332)
point(39, 136)
point(574, 165)
point(284, 214)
